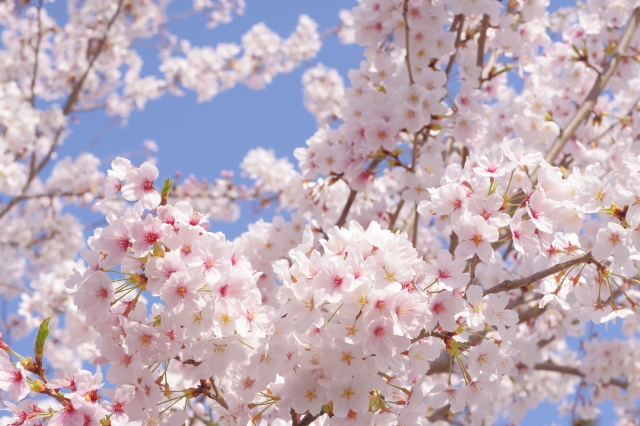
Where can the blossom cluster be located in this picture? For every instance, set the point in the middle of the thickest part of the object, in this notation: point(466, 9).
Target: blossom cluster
point(444, 233)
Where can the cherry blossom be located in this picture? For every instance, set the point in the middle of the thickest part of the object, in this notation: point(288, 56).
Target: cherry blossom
point(438, 237)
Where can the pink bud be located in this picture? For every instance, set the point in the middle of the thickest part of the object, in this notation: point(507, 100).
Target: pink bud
point(3, 344)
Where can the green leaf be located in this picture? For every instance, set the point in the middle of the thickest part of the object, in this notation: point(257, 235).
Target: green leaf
point(43, 333)
point(164, 195)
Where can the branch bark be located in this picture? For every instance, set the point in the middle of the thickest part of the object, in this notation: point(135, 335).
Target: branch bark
point(352, 194)
point(507, 285)
point(459, 20)
point(405, 12)
point(482, 39)
point(549, 366)
point(37, 51)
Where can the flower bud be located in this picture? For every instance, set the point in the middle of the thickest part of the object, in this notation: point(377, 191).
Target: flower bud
point(3, 344)
point(37, 386)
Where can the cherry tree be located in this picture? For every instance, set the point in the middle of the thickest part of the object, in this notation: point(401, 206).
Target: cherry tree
point(466, 207)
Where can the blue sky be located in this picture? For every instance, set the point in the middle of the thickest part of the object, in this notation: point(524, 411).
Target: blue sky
point(205, 138)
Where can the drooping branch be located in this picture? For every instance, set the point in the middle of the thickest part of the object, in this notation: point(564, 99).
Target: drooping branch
point(507, 285)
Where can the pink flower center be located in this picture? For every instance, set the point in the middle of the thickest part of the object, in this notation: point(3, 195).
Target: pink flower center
point(336, 281)
point(379, 331)
point(477, 239)
point(181, 291)
point(147, 185)
point(438, 308)
point(151, 236)
point(444, 273)
point(208, 264)
point(224, 290)
point(123, 244)
point(195, 219)
point(101, 293)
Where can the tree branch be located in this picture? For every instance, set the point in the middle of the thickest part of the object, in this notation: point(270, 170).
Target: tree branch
point(308, 419)
point(587, 106)
point(459, 20)
point(73, 97)
point(507, 285)
point(66, 109)
point(352, 194)
point(37, 51)
point(549, 366)
point(482, 39)
point(394, 217)
point(405, 11)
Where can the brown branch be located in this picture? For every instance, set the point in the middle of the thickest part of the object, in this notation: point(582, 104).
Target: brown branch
point(459, 20)
point(587, 106)
point(73, 97)
point(405, 12)
point(352, 194)
point(308, 419)
point(55, 194)
point(66, 109)
point(482, 39)
point(345, 211)
point(507, 285)
point(218, 396)
point(441, 413)
point(453, 242)
point(549, 366)
point(37, 50)
point(472, 269)
point(396, 213)
point(416, 222)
